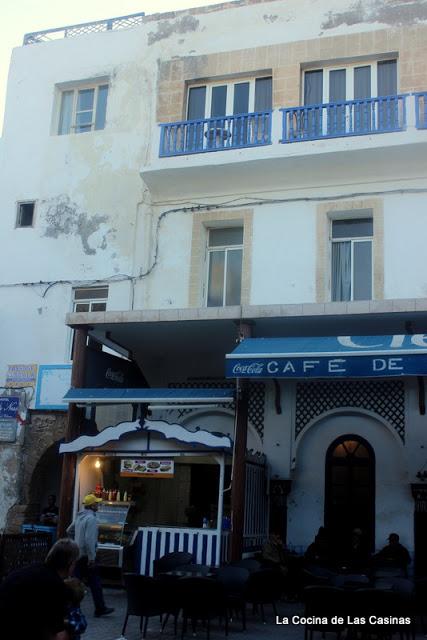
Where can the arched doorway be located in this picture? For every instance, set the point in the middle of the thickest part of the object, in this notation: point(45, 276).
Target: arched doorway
point(350, 490)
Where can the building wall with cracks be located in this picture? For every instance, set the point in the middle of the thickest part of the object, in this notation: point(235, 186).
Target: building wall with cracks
point(99, 197)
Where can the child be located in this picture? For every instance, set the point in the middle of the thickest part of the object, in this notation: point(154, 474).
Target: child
point(76, 621)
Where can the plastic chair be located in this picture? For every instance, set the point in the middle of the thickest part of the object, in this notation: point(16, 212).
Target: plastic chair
point(324, 601)
point(201, 599)
point(145, 598)
point(171, 561)
point(264, 587)
point(234, 581)
point(378, 603)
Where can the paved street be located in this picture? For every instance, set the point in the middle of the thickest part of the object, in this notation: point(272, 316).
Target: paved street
point(109, 628)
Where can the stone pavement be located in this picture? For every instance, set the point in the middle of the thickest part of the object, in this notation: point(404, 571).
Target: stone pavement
point(109, 628)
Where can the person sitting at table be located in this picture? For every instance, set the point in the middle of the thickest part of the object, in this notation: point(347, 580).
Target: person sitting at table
point(393, 554)
point(319, 551)
point(273, 552)
point(49, 515)
point(358, 556)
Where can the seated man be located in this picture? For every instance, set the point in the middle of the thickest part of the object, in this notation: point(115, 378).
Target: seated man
point(49, 515)
point(34, 599)
point(393, 554)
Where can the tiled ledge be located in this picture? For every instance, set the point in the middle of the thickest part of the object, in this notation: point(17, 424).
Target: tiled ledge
point(400, 305)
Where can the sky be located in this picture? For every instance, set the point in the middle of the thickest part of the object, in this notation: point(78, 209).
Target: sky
point(18, 17)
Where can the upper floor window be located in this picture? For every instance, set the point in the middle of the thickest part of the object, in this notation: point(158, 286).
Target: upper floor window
point(83, 109)
point(216, 100)
point(25, 214)
point(350, 82)
point(225, 252)
point(86, 299)
point(352, 259)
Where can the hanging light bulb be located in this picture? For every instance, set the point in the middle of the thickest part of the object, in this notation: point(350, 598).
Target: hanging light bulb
point(97, 463)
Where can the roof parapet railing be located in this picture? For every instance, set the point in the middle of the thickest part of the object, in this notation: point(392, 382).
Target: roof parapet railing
point(73, 30)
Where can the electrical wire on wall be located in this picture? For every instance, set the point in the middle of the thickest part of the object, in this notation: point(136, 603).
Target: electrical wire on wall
point(235, 203)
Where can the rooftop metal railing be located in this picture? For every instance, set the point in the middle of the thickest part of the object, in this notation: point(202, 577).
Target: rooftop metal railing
point(73, 30)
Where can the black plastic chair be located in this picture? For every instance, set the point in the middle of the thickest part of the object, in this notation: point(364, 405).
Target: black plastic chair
point(264, 587)
point(383, 604)
point(234, 581)
point(324, 601)
point(171, 561)
point(201, 599)
point(145, 598)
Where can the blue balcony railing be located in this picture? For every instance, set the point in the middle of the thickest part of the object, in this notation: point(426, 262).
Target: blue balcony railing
point(215, 134)
point(346, 118)
point(421, 110)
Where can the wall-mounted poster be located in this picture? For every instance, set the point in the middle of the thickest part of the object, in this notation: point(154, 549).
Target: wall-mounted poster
point(147, 468)
point(21, 375)
point(53, 382)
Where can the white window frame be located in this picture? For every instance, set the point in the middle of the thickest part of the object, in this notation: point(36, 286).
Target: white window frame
point(76, 88)
point(230, 94)
point(18, 214)
point(89, 300)
point(353, 240)
point(226, 248)
point(349, 81)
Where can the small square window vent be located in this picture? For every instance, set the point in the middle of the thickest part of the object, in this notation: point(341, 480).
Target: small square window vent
point(25, 214)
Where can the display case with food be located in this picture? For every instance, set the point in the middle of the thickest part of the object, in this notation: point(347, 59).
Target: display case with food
point(114, 532)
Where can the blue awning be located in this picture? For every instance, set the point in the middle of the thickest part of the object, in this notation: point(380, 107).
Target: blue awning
point(329, 357)
point(152, 395)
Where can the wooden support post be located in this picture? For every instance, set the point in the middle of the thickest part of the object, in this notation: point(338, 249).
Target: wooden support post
point(238, 485)
point(75, 417)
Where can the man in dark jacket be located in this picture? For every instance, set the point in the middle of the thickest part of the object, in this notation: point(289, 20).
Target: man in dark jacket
point(33, 600)
point(393, 554)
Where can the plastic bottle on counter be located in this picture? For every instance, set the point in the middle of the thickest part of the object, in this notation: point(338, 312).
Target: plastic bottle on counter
point(125, 496)
point(205, 524)
point(110, 496)
point(118, 496)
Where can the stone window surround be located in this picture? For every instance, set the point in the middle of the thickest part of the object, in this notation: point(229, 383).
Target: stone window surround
point(339, 210)
point(287, 61)
point(218, 219)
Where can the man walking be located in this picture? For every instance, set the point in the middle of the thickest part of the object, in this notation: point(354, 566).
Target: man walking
point(84, 530)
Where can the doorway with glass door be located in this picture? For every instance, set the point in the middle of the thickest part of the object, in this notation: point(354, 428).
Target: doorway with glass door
point(349, 493)
point(229, 115)
point(352, 100)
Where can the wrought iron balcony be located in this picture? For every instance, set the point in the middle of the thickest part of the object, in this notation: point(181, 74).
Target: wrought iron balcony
point(421, 110)
point(346, 118)
point(215, 134)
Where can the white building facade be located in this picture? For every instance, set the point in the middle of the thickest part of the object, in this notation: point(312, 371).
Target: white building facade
point(183, 180)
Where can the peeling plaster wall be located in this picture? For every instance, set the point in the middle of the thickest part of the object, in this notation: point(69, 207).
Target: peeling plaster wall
point(95, 216)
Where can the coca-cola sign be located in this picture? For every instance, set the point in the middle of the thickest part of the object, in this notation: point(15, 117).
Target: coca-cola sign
point(248, 369)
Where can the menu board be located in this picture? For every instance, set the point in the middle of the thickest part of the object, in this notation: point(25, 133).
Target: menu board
point(146, 468)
